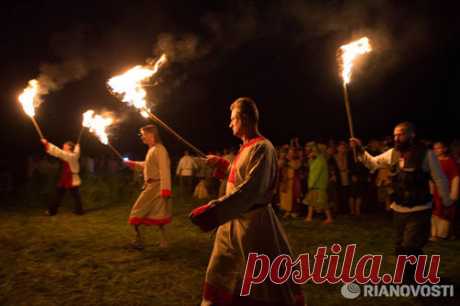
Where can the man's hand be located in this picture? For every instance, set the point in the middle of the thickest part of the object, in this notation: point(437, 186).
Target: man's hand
point(199, 210)
point(45, 143)
point(356, 144)
point(203, 217)
point(131, 164)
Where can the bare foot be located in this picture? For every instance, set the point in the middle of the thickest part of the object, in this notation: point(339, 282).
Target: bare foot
point(327, 221)
point(308, 220)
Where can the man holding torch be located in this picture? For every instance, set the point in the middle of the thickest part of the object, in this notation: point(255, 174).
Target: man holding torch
point(245, 219)
point(69, 179)
point(153, 206)
point(412, 166)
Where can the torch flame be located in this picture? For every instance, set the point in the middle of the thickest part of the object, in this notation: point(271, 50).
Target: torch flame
point(129, 84)
point(97, 124)
point(28, 98)
point(349, 54)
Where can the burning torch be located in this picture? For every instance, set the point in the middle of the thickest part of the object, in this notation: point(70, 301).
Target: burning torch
point(29, 101)
point(129, 88)
point(98, 124)
point(349, 53)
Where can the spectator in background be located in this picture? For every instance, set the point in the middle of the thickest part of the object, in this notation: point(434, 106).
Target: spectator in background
point(318, 179)
point(443, 216)
point(332, 184)
point(290, 184)
point(343, 175)
point(203, 172)
point(185, 170)
point(358, 186)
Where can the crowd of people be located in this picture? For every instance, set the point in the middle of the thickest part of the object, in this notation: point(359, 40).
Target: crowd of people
point(326, 178)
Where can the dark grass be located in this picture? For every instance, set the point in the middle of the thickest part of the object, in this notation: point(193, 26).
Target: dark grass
point(85, 260)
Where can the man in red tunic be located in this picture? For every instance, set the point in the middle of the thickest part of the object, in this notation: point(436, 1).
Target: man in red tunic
point(69, 179)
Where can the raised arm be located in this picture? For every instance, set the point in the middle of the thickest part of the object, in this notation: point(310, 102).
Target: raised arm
point(376, 162)
point(53, 150)
point(371, 162)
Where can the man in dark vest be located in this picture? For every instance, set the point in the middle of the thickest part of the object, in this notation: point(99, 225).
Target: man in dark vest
point(412, 166)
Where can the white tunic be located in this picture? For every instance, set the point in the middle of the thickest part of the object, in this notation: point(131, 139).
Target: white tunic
point(152, 207)
point(186, 166)
point(248, 224)
point(71, 158)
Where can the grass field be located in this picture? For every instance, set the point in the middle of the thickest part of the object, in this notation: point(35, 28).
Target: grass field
point(84, 260)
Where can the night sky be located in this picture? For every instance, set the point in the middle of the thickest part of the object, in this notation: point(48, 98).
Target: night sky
point(281, 53)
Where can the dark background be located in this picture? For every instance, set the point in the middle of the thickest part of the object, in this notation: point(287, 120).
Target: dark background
point(281, 53)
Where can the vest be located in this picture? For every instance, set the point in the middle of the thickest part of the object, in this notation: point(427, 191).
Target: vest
point(411, 183)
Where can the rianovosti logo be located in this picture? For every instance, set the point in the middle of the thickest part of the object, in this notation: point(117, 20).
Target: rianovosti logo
point(352, 291)
point(359, 277)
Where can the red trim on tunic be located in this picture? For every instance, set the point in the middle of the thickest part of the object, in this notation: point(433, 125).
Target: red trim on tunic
point(166, 193)
point(205, 220)
point(199, 210)
point(231, 176)
point(147, 221)
point(65, 179)
point(222, 297)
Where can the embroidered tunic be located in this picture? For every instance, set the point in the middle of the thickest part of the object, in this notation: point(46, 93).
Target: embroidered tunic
point(152, 207)
point(247, 224)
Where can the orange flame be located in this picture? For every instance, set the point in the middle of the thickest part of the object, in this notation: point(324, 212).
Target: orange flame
point(28, 98)
point(129, 84)
point(349, 54)
point(97, 124)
